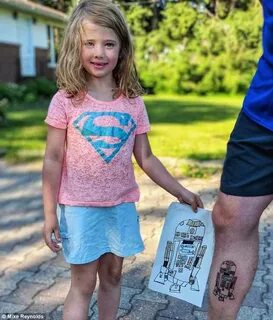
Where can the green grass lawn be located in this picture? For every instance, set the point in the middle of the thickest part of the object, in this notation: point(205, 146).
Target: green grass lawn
point(182, 127)
point(191, 127)
point(23, 136)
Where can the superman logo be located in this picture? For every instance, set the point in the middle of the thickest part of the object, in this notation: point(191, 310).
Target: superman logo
point(107, 132)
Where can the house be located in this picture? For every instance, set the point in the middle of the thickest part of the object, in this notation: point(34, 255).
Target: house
point(29, 35)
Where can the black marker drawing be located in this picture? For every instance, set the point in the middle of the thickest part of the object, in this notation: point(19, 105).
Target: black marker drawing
point(183, 257)
point(225, 281)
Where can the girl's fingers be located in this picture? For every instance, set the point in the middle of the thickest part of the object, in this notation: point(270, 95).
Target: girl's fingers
point(195, 202)
point(48, 241)
point(52, 244)
point(57, 234)
point(57, 240)
point(194, 206)
point(199, 202)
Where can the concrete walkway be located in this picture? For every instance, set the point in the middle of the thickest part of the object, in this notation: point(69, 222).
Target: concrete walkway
point(34, 280)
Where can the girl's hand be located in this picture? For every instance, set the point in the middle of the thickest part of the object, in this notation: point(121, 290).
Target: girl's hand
point(51, 231)
point(186, 196)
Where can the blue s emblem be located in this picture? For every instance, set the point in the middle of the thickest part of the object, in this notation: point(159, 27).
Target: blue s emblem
point(107, 140)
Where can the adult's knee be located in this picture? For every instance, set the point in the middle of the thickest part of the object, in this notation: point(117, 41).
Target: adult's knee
point(231, 216)
point(224, 217)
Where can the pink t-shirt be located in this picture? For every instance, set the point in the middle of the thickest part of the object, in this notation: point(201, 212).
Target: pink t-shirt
point(97, 168)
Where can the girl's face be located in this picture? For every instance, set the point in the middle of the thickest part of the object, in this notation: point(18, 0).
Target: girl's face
point(100, 50)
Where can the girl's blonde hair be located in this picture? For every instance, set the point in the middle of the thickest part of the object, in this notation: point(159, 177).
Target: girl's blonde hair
point(71, 76)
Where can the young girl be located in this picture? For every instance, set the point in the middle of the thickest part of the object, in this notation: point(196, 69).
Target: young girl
point(96, 121)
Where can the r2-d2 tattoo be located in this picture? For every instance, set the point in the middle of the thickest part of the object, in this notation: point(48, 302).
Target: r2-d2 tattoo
point(225, 281)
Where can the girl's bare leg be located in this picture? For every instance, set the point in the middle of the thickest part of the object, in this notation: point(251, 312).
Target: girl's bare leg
point(83, 282)
point(109, 270)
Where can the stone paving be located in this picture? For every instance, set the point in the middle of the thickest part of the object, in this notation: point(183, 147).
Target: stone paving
point(34, 280)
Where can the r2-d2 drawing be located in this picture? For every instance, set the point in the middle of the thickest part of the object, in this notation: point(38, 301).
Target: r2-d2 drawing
point(225, 281)
point(183, 256)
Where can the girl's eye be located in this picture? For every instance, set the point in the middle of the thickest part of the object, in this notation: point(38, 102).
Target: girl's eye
point(110, 44)
point(89, 44)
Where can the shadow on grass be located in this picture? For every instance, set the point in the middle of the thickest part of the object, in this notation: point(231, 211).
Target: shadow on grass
point(186, 112)
point(32, 114)
point(23, 138)
point(24, 135)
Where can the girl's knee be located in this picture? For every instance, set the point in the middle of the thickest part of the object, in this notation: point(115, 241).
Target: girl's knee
point(85, 291)
point(110, 270)
point(84, 278)
point(85, 288)
point(110, 277)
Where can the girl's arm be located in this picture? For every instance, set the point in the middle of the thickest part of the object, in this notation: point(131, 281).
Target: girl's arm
point(52, 169)
point(158, 173)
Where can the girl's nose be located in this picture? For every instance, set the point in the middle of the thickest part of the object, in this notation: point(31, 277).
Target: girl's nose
point(99, 51)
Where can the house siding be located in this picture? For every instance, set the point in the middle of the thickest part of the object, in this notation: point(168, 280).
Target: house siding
point(42, 64)
point(17, 49)
point(8, 27)
point(10, 62)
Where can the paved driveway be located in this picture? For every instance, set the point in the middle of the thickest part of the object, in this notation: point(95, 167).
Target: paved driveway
point(34, 280)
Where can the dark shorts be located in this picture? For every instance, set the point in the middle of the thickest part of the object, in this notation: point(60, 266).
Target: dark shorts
point(248, 167)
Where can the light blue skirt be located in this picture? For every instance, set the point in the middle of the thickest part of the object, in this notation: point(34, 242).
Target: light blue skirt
point(89, 232)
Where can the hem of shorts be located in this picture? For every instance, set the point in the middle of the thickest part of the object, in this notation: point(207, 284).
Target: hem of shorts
point(256, 119)
point(96, 203)
point(108, 250)
point(238, 192)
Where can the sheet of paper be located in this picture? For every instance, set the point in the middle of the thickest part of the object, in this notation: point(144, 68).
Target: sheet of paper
point(184, 254)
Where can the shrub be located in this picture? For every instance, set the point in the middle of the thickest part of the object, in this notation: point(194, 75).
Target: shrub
point(12, 91)
point(40, 87)
point(28, 91)
point(3, 109)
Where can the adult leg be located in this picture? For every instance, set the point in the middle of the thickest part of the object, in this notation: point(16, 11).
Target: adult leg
point(110, 268)
point(236, 221)
point(83, 282)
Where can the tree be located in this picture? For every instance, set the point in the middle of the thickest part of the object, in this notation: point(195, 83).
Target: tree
point(193, 51)
point(61, 5)
point(222, 8)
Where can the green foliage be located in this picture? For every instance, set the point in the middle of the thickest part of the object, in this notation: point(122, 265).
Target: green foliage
point(28, 92)
point(62, 5)
point(192, 51)
point(4, 104)
point(11, 91)
point(40, 87)
point(138, 19)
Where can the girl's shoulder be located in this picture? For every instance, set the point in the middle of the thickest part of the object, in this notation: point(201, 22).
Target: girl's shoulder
point(61, 99)
point(137, 101)
point(61, 95)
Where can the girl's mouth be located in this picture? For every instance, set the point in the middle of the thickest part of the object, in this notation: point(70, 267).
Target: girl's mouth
point(99, 64)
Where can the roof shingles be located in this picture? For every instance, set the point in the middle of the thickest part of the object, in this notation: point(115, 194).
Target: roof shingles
point(34, 8)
